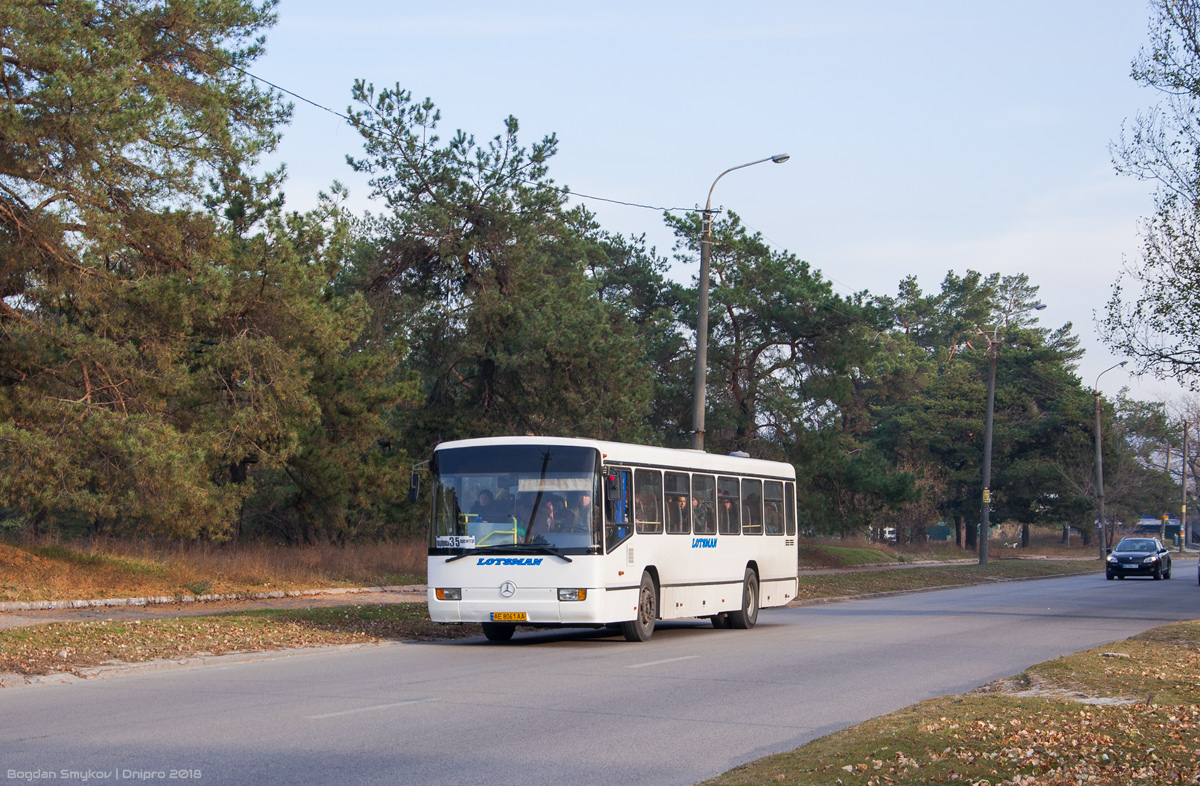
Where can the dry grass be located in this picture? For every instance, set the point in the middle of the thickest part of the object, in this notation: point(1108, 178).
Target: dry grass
point(845, 552)
point(1118, 714)
point(821, 553)
point(75, 647)
point(110, 568)
point(866, 582)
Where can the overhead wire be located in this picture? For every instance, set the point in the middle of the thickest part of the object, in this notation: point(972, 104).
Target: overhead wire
point(566, 191)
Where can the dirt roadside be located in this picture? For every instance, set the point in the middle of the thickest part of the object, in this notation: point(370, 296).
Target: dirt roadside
point(140, 609)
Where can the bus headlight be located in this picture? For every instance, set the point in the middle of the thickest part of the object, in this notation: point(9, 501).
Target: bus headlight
point(443, 593)
point(572, 594)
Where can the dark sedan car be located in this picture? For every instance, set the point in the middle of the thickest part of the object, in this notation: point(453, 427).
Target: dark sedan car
point(1138, 557)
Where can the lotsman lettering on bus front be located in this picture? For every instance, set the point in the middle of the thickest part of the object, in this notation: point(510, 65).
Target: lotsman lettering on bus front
point(704, 543)
point(509, 561)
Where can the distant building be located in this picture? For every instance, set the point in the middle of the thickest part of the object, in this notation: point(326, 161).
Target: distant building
point(1149, 526)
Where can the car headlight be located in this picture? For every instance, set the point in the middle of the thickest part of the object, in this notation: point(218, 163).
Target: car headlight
point(572, 594)
point(1112, 559)
point(447, 593)
point(1151, 558)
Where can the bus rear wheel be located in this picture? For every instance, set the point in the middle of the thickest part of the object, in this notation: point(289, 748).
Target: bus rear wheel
point(745, 619)
point(498, 631)
point(642, 627)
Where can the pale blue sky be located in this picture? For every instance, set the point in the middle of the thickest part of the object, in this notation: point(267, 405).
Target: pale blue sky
point(924, 137)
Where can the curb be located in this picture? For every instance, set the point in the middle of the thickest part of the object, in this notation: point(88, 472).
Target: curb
point(46, 605)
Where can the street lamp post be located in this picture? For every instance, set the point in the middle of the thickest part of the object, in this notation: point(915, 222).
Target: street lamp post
point(701, 377)
point(985, 506)
point(1102, 531)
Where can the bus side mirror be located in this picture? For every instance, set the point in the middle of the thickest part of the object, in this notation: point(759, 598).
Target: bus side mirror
point(414, 485)
point(612, 489)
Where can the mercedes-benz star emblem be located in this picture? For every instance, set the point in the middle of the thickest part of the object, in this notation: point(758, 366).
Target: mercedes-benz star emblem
point(507, 589)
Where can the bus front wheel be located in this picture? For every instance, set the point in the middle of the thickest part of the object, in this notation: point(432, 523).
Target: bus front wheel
point(642, 627)
point(745, 619)
point(498, 631)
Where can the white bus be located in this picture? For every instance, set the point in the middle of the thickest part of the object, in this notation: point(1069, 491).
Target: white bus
point(552, 531)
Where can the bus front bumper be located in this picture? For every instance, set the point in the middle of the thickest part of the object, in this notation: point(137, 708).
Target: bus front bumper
point(532, 606)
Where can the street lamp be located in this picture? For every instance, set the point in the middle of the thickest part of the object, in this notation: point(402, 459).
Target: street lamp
point(702, 318)
point(984, 511)
point(1100, 461)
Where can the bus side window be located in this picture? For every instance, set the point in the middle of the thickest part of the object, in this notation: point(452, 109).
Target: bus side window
point(728, 502)
point(679, 504)
point(752, 507)
point(618, 524)
point(789, 499)
point(773, 507)
point(704, 510)
point(647, 497)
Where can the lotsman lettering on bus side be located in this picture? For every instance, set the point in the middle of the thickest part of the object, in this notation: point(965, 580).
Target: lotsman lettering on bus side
point(509, 561)
point(704, 543)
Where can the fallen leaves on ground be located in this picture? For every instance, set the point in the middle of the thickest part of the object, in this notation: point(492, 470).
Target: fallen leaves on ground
point(1141, 725)
point(73, 646)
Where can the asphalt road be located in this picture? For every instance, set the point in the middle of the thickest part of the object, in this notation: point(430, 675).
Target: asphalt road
point(579, 708)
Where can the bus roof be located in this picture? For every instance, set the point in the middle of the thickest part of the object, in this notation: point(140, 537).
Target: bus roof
point(646, 455)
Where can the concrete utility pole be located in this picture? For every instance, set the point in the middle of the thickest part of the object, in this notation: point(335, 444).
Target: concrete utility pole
point(1102, 531)
point(701, 376)
point(1183, 477)
point(985, 510)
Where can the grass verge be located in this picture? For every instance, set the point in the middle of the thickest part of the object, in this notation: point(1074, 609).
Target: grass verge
point(124, 568)
point(826, 555)
point(1121, 713)
point(837, 585)
point(76, 646)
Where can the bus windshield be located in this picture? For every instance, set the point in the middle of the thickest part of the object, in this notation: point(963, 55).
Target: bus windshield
point(513, 495)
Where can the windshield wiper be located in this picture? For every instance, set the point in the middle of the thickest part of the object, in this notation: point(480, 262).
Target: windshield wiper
point(515, 548)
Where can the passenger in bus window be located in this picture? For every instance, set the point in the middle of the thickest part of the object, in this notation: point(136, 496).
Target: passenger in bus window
point(774, 518)
point(700, 515)
point(752, 521)
point(577, 515)
point(728, 514)
point(677, 514)
point(483, 504)
point(543, 522)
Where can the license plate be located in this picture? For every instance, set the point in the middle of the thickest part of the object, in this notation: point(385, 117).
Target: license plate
point(508, 616)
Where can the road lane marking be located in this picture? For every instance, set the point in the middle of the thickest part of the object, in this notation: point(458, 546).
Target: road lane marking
point(660, 662)
point(369, 709)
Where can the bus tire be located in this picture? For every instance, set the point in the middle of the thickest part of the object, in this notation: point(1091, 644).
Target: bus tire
point(642, 627)
point(748, 615)
point(498, 631)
